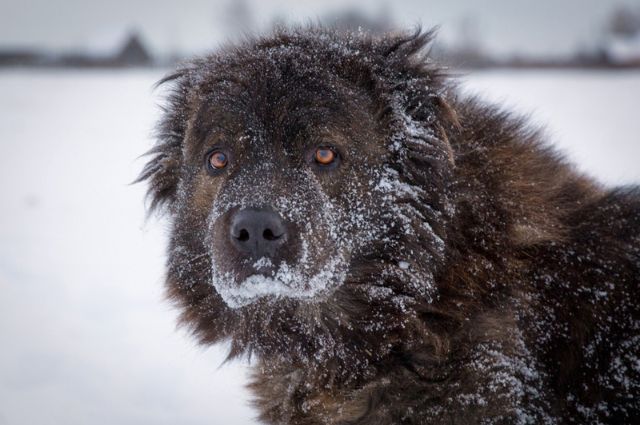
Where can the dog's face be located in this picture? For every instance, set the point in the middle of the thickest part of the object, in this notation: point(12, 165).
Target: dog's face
point(281, 184)
point(295, 179)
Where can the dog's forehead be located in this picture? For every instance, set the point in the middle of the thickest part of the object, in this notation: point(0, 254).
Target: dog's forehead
point(293, 118)
point(273, 79)
point(250, 130)
point(281, 102)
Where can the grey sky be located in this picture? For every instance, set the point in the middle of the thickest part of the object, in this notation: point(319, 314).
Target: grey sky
point(505, 26)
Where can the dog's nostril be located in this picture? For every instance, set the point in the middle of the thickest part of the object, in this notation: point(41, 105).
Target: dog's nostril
point(243, 236)
point(268, 235)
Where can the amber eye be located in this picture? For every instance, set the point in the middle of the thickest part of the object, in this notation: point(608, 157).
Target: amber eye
point(218, 160)
point(324, 156)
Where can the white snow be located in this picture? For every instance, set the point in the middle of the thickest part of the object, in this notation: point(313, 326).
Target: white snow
point(262, 262)
point(286, 282)
point(85, 335)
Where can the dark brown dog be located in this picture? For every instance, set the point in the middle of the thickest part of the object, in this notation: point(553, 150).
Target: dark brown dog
point(392, 253)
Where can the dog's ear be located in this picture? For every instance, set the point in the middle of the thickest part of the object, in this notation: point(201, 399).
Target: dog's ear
point(418, 91)
point(162, 171)
point(413, 81)
point(418, 109)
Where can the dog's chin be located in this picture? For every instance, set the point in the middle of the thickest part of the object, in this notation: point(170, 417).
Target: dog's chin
point(265, 281)
point(269, 285)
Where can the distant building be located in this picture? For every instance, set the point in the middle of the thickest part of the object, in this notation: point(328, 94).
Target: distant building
point(18, 57)
point(133, 53)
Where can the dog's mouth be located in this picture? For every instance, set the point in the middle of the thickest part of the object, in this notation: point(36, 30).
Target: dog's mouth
point(264, 266)
point(265, 279)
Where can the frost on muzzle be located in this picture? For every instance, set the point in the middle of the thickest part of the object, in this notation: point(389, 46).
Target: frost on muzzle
point(287, 245)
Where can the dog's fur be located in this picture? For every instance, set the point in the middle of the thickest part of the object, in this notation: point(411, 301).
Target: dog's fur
point(472, 276)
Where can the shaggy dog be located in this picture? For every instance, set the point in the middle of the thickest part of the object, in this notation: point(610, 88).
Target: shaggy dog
point(389, 251)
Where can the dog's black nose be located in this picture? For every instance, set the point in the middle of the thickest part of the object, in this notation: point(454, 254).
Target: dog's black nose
point(257, 232)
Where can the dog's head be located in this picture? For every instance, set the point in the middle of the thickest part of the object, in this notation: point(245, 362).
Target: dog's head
point(305, 175)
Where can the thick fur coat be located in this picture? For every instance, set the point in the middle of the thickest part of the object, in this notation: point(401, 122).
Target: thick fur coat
point(446, 265)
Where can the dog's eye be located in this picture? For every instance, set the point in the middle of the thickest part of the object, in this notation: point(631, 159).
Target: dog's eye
point(216, 160)
point(324, 156)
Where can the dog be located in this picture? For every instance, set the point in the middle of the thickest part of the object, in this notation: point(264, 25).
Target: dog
point(387, 250)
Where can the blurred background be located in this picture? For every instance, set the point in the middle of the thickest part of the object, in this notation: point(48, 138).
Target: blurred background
point(85, 334)
point(494, 33)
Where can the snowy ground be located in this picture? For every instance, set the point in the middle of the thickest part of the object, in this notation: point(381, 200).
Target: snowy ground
point(85, 336)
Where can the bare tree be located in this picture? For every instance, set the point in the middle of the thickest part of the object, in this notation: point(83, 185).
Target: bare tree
point(624, 22)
